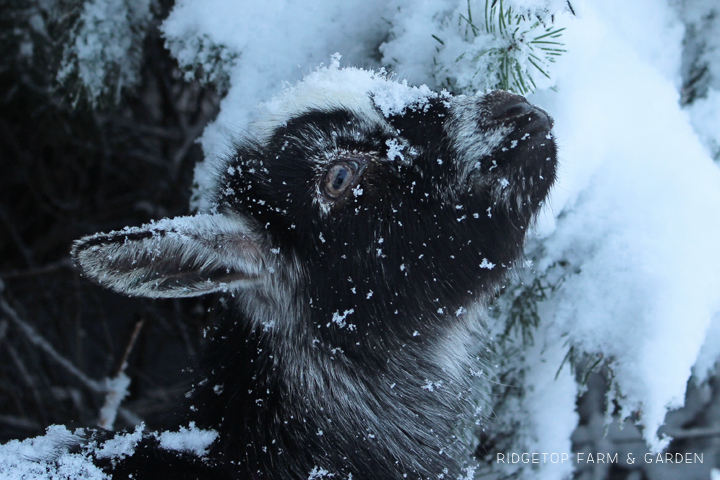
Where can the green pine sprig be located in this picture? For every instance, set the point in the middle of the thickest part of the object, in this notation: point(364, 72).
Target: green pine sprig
point(526, 47)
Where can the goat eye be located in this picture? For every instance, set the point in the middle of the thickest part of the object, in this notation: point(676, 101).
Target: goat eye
point(338, 179)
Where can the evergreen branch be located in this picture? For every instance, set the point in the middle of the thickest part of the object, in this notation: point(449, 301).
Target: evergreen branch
point(551, 33)
point(538, 67)
point(501, 19)
point(518, 48)
point(532, 81)
point(470, 20)
point(591, 369)
point(546, 42)
point(518, 76)
point(488, 27)
point(568, 356)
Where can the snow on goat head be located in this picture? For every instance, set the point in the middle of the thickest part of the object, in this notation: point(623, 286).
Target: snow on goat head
point(359, 229)
point(362, 92)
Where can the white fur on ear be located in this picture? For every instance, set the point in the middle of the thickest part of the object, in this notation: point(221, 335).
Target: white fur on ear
point(177, 257)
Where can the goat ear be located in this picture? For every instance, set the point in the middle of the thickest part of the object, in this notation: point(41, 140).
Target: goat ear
point(178, 257)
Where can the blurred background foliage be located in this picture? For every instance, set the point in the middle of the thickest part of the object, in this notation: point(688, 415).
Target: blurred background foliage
point(69, 170)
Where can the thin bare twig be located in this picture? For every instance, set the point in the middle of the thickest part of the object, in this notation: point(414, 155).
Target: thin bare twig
point(36, 339)
point(131, 344)
point(32, 272)
point(18, 422)
point(117, 387)
point(17, 238)
point(3, 329)
point(27, 377)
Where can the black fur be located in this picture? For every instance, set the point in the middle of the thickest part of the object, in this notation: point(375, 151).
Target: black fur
point(355, 356)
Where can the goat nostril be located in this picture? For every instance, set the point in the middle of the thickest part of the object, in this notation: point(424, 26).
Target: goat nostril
point(504, 107)
point(515, 107)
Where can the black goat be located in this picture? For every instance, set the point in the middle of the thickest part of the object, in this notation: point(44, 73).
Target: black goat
point(358, 232)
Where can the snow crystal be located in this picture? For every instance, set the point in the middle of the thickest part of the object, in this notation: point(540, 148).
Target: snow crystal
point(340, 319)
point(47, 457)
point(317, 473)
point(431, 386)
point(121, 445)
point(393, 98)
point(191, 439)
point(486, 264)
point(394, 149)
